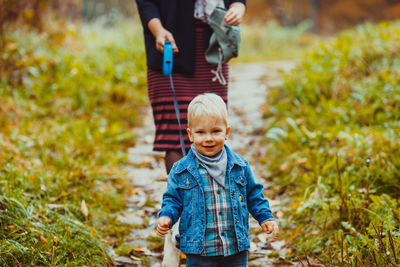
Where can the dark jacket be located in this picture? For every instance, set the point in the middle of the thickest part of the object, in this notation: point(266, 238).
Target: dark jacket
point(177, 17)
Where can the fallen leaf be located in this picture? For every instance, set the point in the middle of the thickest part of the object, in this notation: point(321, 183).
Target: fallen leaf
point(296, 205)
point(55, 240)
point(135, 258)
point(34, 175)
point(44, 239)
point(84, 209)
point(91, 231)
point(135, 190)
point(55, 206)
point(285, 167)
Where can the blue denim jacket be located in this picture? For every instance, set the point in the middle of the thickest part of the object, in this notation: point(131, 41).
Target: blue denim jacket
point(185, 198)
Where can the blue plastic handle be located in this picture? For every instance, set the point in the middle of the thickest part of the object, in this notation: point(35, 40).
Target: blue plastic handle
point(167, 60)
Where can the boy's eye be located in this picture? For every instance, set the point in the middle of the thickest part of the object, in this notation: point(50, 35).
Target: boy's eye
point(216, 131)
point(200, 132)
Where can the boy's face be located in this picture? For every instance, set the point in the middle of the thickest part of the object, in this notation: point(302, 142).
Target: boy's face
point(208, 134)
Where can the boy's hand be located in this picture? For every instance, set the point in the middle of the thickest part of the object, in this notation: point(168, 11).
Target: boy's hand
point(269, 227)
point(162, 225)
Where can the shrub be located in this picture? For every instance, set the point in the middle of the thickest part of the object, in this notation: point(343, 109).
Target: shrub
point(66, 119)
point(332, 136)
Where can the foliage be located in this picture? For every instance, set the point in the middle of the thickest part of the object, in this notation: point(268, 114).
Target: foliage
point(28, 12)
point(332, 144)
point(269, 41)
point(68, 109)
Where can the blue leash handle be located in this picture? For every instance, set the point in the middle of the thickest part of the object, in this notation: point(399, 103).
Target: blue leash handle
point(167, 70)
point(168, 59)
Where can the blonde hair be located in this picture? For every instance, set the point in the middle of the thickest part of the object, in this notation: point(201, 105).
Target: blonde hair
point(207, 104)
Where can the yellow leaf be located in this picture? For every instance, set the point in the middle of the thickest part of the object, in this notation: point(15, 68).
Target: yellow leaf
point(33, 176)
point(11, 227)
point(29, 14)
point(55, 240)
point(285, 167)
point(44, 239)
point(91, 231)
point(183, 255)
point(135, 190)
point(296, 205)
point(137, 249)
point(84, 208)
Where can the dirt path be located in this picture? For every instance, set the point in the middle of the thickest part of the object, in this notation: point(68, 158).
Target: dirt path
point(247, 93)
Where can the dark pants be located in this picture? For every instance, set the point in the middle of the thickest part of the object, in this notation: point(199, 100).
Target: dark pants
point(236, 260)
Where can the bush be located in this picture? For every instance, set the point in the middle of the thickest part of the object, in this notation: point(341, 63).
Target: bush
point(66, 119)
point(332, 136)
point(270, 41)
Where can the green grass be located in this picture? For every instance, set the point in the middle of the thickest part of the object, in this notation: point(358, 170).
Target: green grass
point(332, 137)
point(69, 103)
point(266, 41)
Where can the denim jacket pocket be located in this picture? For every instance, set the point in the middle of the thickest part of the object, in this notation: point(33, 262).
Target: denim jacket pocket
point(189, 188)
point(240, 180)
point(187, 183)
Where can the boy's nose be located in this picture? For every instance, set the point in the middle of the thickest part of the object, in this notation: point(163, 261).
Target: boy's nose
point(209, 137)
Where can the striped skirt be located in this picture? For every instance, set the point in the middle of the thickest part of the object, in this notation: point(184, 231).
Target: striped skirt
point(186, 88)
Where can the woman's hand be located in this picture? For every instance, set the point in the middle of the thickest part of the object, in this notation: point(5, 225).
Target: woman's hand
point(162, 225)
point(161, 35)
point(269, 227)
point(235, 13)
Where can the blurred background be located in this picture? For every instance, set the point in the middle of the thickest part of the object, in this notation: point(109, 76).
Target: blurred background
point(72, 93)
point(327, 17)
point(270, 25)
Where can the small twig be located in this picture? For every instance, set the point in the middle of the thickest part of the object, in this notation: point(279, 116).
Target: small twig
point(52, 257)
point(382, 246)
point(370, 251)
point(341, 250)
point(341, 194)
point(392, 246)
point(305, 253)
point(373, 255)
point(301, 262)
point(315, 223)
point(330, 255)
point(321, 261)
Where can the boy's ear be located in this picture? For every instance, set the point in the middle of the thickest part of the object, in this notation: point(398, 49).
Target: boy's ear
point(228, 130)
point(189, 134)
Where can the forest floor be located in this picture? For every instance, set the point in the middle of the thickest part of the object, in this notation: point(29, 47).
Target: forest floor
point(248, 89)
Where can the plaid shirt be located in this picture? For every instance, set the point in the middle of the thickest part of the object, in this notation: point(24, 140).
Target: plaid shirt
point(220, 237)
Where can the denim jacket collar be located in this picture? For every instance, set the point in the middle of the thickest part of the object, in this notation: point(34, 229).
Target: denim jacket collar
point(189, 163)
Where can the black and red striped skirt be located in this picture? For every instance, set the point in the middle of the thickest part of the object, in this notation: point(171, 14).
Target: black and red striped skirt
point(186, 88)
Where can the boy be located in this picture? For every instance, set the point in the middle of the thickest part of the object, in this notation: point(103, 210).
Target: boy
point(213, 190)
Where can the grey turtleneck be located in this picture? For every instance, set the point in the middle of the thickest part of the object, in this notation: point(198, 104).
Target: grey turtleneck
point(215, 166)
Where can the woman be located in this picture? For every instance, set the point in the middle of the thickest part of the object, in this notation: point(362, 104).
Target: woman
point(184, 24)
